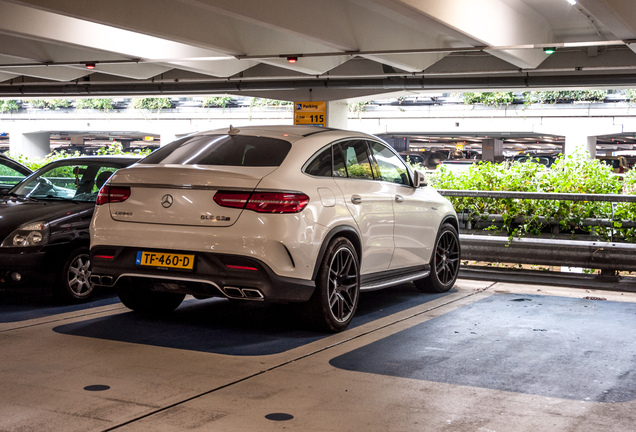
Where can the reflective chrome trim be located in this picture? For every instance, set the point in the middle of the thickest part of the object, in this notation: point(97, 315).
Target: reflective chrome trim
point(372, 286)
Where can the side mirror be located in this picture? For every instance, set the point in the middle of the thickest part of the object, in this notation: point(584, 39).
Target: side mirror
point(419, 179)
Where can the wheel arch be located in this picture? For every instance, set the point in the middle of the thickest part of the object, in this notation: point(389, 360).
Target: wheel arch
point(450, 219)
point(340, 231)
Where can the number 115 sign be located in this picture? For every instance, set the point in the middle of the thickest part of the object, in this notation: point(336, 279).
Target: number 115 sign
point(310, 113)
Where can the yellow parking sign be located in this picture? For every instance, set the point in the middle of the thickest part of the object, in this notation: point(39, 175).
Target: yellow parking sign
point(310, 113)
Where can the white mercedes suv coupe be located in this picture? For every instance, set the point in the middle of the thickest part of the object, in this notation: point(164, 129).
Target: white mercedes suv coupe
point(274, 213)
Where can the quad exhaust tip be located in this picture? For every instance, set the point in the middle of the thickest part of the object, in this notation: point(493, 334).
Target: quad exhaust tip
point(243, 293)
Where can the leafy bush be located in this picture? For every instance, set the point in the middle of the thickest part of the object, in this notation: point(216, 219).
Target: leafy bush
point(51, 104)
point(8, 106)
point(552, 97)
point(155, 104)
point(495, 99)
point(97, 104)
point(220, 102)
point(569, 174)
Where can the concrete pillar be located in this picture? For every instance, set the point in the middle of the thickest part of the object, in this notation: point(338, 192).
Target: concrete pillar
point(576, 142)
point(492, 150)
point(33, 145)
point(337, 114)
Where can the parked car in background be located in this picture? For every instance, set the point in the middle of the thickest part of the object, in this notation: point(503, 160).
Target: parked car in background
point(276, 213)
point(44, 236)
point(11, 173)
point(618, 163)
point(546, 159)
point(429, 160)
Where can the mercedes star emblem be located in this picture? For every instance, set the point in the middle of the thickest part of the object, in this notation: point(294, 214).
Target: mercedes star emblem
point(166, 200)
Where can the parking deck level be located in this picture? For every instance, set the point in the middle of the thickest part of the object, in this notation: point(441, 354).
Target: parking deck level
point(486, 356)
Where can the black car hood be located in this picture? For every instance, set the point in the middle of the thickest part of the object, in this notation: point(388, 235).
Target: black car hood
point(14, 213)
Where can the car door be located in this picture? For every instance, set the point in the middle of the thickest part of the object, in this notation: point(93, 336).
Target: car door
point(368, 200)
point(413, 232)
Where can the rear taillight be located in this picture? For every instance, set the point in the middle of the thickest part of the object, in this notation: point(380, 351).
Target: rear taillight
point(112, 194)
point(263, 202)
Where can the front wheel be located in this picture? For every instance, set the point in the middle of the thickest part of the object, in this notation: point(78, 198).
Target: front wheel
point(74, 283)
point(335, 299)
point(444, 262)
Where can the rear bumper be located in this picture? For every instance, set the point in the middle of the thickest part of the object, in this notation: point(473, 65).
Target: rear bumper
point(213, 274)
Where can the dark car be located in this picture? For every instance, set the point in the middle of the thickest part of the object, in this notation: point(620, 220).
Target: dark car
point(44, 221)
point(546, 159)
point(11, 173)
point(427, 159)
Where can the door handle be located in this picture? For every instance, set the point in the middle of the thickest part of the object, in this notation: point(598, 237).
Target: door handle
point(399, 198)
point(356, 199)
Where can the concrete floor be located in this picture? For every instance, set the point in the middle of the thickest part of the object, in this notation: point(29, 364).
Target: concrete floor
point(485, 357)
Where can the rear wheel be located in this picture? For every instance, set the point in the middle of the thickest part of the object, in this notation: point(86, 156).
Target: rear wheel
point(335, 299)
point(140, 298)
point(444, 262)
point(74, 283)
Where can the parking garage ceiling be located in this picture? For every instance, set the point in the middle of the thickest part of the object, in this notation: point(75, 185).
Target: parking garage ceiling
point(312, 49)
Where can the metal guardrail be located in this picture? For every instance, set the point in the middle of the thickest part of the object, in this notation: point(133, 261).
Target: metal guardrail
point(538, 195)
point(606, 256)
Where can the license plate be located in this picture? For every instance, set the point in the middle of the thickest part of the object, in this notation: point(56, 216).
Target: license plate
point(168, 260)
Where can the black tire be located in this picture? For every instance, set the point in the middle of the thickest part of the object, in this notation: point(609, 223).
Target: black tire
point(136, 295)
point(335, 300)
point(444, 263)
point(74, 283)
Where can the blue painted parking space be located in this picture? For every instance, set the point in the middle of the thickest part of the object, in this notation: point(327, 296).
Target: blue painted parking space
point(21, 308)
point(237, 327)
point(549, 346)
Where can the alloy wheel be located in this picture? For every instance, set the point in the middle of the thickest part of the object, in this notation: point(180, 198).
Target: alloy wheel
point(343, 284)
point(447, 257)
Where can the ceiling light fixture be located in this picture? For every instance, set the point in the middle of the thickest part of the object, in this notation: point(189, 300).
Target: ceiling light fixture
point(572, 2)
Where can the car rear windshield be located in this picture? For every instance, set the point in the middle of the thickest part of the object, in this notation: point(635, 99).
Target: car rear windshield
point(232, 150)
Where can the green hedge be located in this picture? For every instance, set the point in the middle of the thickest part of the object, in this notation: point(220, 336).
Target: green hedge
point(571, 174)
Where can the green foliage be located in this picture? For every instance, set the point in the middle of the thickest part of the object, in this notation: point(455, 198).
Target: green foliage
point(151, 104)
point(36, 163)
point(570, 174)
point(495, 99)
point(97, 104)
point(552, 97)
point(8, 106)
point(260, 103)
point(216, 102)
point(51, 104)
point(359, 107)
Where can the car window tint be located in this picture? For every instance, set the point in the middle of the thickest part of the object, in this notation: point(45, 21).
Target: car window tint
point(391, 166)
point(321, 164)
point(356, 159)
point(233, 150)
point(77, 182)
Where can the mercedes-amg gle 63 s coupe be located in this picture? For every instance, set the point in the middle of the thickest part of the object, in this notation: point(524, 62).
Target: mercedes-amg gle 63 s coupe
point(277, 214)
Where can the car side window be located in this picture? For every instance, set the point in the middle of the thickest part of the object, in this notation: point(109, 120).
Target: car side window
point(10, 176)
point(356, 159)
point(391, 166)
point(321, 164)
